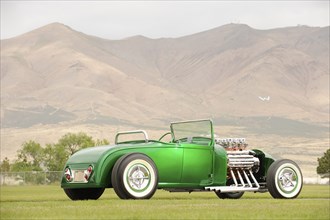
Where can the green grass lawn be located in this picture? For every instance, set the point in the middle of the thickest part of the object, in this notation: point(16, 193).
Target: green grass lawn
point(50, 202)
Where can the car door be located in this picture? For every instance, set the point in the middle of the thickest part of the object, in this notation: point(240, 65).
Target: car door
point(197, 164)
point(168, 159)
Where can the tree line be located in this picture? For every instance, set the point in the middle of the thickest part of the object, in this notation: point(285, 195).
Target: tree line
point(51, 157)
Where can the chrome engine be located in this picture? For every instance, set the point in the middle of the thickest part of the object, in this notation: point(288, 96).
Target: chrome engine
point(243, 160)
point(238, 156)
point(232, 144)
point(241, 165)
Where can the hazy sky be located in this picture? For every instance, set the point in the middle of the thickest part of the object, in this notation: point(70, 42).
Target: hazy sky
point(155, 19)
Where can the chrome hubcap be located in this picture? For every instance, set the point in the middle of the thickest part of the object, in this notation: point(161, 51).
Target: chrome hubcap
point(138, 177)
point(287, 179)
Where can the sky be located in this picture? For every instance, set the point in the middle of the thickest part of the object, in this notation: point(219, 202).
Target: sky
point(157, 19)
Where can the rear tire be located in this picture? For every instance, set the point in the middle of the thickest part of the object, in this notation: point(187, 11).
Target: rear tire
point(84, 194)
point(231, 195)
point(284, 179)
point(135, 176)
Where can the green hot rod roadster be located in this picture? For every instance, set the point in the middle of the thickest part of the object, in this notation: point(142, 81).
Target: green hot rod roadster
point(193, 160)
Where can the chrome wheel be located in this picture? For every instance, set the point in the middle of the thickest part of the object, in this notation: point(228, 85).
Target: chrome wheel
point(284, 179)
point(135, 176)
point(287, 179)
point(138, 177)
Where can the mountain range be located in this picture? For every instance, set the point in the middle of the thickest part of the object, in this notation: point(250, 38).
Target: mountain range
point(55, 74)
point(262, 81)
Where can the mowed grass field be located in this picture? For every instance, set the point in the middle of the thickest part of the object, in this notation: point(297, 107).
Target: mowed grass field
point(50, 202)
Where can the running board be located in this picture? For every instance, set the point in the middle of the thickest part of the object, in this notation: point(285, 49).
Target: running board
point(225, 189)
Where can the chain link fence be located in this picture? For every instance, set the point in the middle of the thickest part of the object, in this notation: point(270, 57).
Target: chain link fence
point(31, 178)
point(54, 177)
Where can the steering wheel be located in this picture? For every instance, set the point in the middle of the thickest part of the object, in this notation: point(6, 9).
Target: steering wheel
point(164, 135)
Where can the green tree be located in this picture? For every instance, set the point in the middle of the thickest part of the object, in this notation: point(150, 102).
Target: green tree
point(102, 142)
point(324, 164)
point(55, 157)
point(73, 142)
point(5, 165)
point(29, 158)
point(32, 157)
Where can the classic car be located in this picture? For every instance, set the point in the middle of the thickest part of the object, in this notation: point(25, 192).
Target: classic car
point(192, 159)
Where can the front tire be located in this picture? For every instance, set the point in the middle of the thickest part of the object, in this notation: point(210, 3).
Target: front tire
point(135, 176)
point(84, 194)
point(284, 179)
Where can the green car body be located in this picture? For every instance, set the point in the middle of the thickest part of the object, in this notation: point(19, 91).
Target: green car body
point(191, 161)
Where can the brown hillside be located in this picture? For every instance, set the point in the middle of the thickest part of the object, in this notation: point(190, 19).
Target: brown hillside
point(271, 86)
point(57, 74)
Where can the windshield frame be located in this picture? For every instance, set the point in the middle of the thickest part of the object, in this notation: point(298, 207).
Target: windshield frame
point(176, 136)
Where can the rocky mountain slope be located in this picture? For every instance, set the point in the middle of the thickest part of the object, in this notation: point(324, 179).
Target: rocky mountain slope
point(57, 75)
point(271, 86)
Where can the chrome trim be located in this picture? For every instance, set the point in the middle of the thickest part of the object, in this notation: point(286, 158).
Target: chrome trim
point(192, 121)
point(234, 178)
point(254, 179)
point(225, 189)
point(247, 178)
point(240, 178)
point(132, 132)
point(239, 187)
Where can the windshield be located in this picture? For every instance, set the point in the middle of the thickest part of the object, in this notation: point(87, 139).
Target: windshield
point(187, 130)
